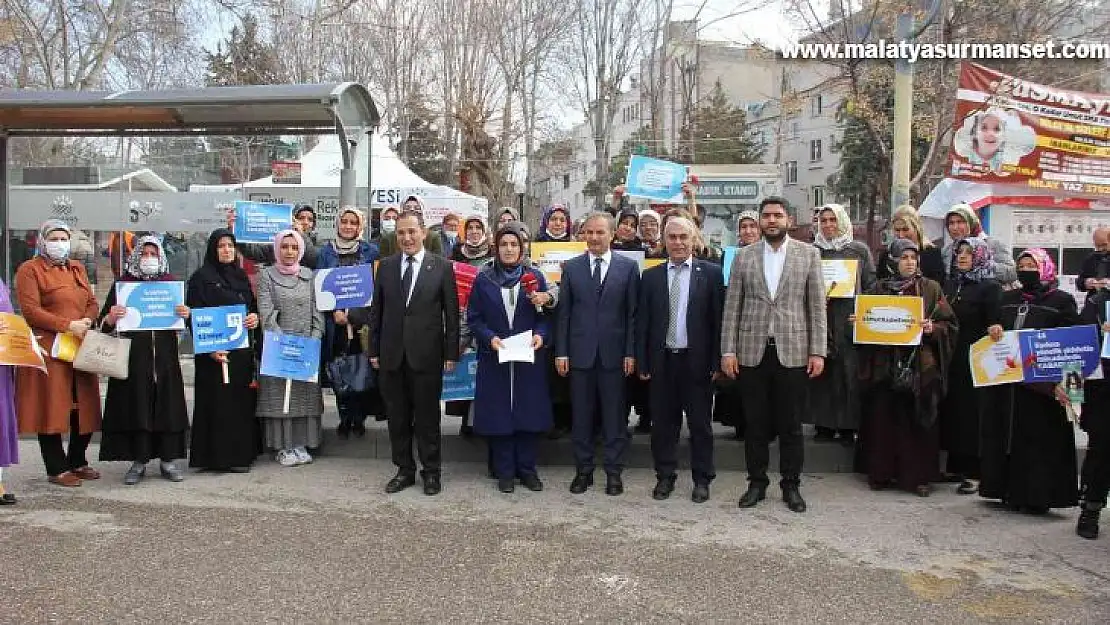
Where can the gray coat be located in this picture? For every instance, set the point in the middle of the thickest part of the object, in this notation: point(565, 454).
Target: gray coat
point(288, 304)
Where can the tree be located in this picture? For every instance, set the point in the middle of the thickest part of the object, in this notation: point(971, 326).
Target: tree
point(719, 133)
point(421, 144)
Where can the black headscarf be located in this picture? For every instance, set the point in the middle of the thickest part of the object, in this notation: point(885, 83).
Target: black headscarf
point(229, 276)
point(897, 283)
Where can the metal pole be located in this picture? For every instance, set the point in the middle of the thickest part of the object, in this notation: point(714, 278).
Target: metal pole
point(903, 116)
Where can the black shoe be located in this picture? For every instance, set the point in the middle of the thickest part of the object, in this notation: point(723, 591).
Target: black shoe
point(754, 494)
point(400, 482)
point(613, 485)
point(532, 483)
point(8, 499)
point(581, 483)
point(134, 474)
point(967, 487)
point(1088, 524)
point(825, 435)
point(663, 488)
point(344, 430)
point(506, 486)
point(793, 499)
point(432, 485)
point(359, 429)
point(700, 494)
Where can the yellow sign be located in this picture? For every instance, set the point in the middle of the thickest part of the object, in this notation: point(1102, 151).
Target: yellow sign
point(996, 362)
point(65, 347)
point(653, 262)
point(840, 276)
point(549, 257)
point(888, 320)
point(18, 346)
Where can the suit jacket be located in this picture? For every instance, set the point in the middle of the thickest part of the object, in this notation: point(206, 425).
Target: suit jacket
point(798, 309)
point(703, 317)
point(597, 328)
point(426, 333)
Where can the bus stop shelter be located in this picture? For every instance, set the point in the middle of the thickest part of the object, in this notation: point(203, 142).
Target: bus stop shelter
point(345, 109)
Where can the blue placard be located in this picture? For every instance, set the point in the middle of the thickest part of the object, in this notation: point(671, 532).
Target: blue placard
point(655, 179)
point(340, 288)
point(1106, 337)
point(150, 305)
point(1046, 351)
point(728, 255)
point(290, 356)
point(259, 222)
point(219, 329)
point(459, 384)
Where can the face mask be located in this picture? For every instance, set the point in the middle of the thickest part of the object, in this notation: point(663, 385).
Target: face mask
point(149, 266)
point(56, 250)
point(389, 225)
point(1029, 279)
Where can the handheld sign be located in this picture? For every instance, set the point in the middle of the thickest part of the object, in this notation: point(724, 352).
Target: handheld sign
point(292, 357)
point(150, 305)
point(655, 179)
point(219, 329)
point(1047, 352)
point(728, 255)
point(888, 320)
point(459, 385)
point(840, 277)
point(259, 222)
point(340, 288)
point(18, 347)
point(549, 257)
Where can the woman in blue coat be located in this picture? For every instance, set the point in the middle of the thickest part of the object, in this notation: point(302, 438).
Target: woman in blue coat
point(511, 406)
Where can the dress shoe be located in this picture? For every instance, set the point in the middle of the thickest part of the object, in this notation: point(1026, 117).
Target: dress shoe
point(68, 479)
point(793, 499)
point(506, 486)
point(432, 485)
point(86, 473)
point(700, 494)
point(7, 499)
point(752, 496)
point(581, 483)
point(171, 472)
point(1088, 523)
point(664, 486)
point(344, 430)
point(400, 482)
point(532, 483)
point(358, 429)
point(134, 474)
point(613, 485)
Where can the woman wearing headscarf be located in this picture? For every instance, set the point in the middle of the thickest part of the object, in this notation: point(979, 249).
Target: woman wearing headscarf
point(342, 327)
point(625, 238)
point(747, 228)
point(555, 225)
point(224, 435)
point(9, 426)
point(55, 298)
point(974, 295)
point(145, 415)
point(504, 215)
point(961, 222)
point(906, 224)
point(1027, 443)
point(650, 234)
point(387, 241)
point(287, 304)
point(474, 250)
point(834, 396)
point(510, 406)
point(577, 232)
point(907, 384)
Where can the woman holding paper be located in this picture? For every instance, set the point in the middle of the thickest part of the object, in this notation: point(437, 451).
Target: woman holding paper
point(834, 397)
point(224, 436)
point(511, 405)
point(1027, 439)
point(287, 303)
point(55, 298)
point(145, 416)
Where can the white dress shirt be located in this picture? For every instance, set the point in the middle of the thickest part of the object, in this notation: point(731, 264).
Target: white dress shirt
point(417, 263)
point(773, 262)
point(681, 340)
point(606, 260)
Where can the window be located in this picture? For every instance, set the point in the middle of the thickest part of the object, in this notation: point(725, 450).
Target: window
point(834, 145)
point(566, 181)
point(816, 105)
point(815, 151)
point(792, 172)
point(818, 196)
point(793, 130)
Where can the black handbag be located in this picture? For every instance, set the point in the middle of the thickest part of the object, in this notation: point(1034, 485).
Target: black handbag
point(350, 374)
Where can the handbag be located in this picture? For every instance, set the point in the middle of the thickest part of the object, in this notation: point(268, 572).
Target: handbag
point(350, 373)
point(903, 374)
point(103, 354)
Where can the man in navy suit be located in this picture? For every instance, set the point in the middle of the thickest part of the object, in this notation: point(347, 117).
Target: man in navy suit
point(595, 344)
point(678, 327)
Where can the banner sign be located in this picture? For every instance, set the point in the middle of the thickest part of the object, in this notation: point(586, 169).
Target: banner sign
point(1012, 131)
point(340, 288)
point(655, 179)
point(259, 222)
point(459, 384)
point(465, 274)
point(1035, 355)
point(285, 172)
point(888, 320)
point(840, 276)
point(549, 257)
point(150, 305)
point(219, 329)
point(290, 356)
point(728, 255)
point(18, 347)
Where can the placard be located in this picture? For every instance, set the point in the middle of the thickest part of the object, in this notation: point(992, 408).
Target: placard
point(219, 329)
point(655, 179)
point(996, 362)
point(653, 262)
point(637, 257)
point(1047, 351)
point(341, 288)
point(259, 222)
point(549, 257)
point(290, 356)
point(888, 320)
point(728, 255)
point(18, 347)
point(840, 276)
point(150, 305)
point(465, 274)
point(459, 384)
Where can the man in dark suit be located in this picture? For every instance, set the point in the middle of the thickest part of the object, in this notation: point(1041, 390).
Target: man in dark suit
point(414, 325)
point(595, 344)
point(678, 330)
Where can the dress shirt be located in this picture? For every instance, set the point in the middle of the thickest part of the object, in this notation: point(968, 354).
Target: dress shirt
point(606, 261)
point(417, 263)
point(773, 262)
point(681, 341)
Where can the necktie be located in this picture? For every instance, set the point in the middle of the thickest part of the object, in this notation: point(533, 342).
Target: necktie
point(597, 274)
point(406, 278)
point(676, 293)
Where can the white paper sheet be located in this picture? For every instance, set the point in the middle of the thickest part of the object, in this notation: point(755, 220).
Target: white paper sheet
point(517, 348)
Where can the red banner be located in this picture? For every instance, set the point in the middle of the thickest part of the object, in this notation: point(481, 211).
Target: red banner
point(286, 172)
point(464, 281)
point(1011, 131)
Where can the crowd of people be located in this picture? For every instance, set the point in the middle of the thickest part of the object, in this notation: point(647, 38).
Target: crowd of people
point(765, 351)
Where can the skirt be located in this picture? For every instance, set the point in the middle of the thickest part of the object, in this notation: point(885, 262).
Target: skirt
point(289, 432)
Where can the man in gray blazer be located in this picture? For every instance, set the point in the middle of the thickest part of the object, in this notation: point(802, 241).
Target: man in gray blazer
point(773, 336)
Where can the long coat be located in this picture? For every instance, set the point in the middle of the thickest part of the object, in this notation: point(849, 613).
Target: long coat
point(50, 297)
point(510, 397)
point(288, 304)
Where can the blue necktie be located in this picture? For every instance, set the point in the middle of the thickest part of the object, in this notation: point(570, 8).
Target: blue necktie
point(597, 274)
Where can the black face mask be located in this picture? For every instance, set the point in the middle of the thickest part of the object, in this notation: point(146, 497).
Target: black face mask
point(1029, 280)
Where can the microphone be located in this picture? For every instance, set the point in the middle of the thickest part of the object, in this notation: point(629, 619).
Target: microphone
point(531, 285)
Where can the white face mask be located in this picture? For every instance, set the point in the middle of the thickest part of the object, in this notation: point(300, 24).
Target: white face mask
point(389, 225)
point(149, 266)
point(56, 250)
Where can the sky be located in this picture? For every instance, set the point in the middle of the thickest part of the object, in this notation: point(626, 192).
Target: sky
point(739, 21)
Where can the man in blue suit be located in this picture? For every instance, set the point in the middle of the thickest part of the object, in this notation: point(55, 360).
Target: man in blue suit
point(595, 344)
point(678, 329)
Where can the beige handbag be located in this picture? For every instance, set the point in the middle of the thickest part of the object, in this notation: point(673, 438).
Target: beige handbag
point(103, 354)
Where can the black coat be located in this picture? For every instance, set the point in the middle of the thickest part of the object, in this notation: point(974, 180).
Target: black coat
point(703, 317)
point(426, 332)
